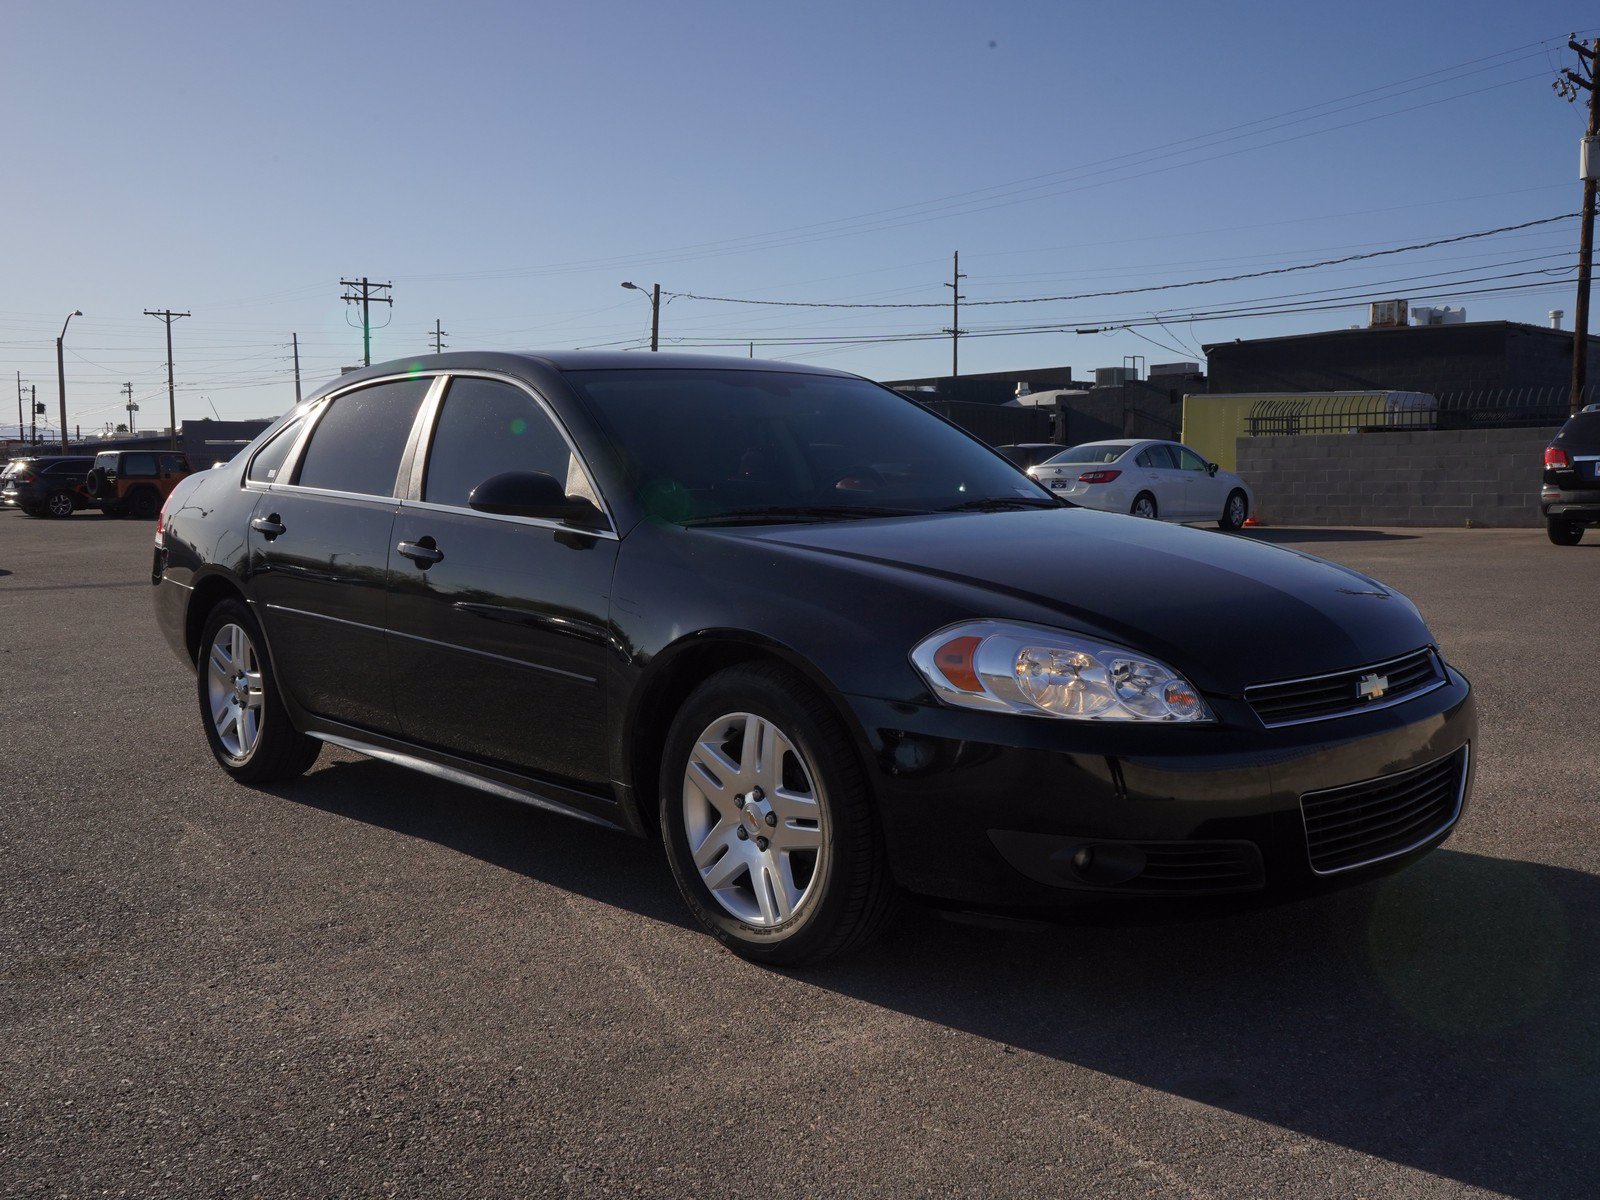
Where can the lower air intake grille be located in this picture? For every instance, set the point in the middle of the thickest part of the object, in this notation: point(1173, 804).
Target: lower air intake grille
point(1351, 826)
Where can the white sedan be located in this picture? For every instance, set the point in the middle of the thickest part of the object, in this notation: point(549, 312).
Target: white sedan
point(1162, 480)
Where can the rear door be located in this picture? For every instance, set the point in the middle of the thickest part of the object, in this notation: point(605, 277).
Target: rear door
point(500, 645)
point(319, 545)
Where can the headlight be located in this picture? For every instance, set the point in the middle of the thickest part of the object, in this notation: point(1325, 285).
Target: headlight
point(1008, 667)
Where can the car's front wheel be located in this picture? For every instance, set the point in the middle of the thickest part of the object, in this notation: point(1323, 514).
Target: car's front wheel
point(768, 822)
point(1234, 511)
point(1564, 533)
point(243, 714)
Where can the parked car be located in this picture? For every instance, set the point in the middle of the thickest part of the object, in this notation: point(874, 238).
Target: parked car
point(1570, 496)
point(1030, 454)
point(1164, 480)
point(135, 482)
point(47, 486)
point(823, 643)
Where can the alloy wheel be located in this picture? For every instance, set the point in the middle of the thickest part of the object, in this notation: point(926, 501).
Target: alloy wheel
point(1144, 507)
point(1236, 513)
point(233, 685)
point(755, 818)
point(59, 504)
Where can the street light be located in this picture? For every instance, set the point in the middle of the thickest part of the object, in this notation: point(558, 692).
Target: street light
point(61, 374)
point(655, 312)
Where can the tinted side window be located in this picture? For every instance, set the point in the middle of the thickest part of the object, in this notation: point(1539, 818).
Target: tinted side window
point(357, 444)
point(1162, 458)
point(264, 467)
point(486, 428)
point(1145, 459)
point(174, 462)
point(1188, 460)
point(138, 466)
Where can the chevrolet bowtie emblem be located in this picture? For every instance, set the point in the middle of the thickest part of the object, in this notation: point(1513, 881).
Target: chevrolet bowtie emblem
point(1372, 687)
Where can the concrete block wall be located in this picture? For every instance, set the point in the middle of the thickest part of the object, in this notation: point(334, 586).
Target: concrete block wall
point(1432, 477)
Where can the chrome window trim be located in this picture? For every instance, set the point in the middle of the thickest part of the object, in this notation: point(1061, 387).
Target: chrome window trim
point(1465, 751)
point(537, 522)
point(424, 448)
point(316, 409)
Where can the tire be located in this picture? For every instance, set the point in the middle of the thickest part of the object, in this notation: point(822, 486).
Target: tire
point(58, 504)
point(837, 890)
point(1144, 505)
point(95, 482)
point(1234, 511)
point(144, 504)
point(275, 749)
point(1564, 533)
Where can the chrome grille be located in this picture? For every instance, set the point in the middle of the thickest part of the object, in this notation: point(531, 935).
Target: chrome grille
point(1364, 822)
point(1343, 693)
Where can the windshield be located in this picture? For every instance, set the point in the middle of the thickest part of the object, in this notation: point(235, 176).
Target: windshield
point(1093, 452)
point(699, 445)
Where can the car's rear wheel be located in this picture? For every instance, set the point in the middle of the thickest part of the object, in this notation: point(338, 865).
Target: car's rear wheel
point(1564, 533)
point(768, 822)
point(58, 504)
point(144, 504)
point(1144, 505)
point(1234, 511)
point(240, 707)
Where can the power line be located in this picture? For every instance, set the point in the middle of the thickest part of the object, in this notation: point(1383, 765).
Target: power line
point(1159, 287)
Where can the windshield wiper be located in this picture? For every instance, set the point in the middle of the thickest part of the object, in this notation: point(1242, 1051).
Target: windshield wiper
point(1002, 504)
point(772, 513)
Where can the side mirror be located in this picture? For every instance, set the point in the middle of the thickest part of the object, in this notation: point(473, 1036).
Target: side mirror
point(533, 494)
point(1211, 469)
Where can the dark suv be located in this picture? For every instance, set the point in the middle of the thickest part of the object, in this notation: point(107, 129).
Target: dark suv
point(47, 487)
point(1570, 497)
point(135, 482)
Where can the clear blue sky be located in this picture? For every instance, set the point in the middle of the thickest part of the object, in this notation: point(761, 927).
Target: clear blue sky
point(508, 164)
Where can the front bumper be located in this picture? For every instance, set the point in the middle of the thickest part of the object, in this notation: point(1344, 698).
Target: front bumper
point(984, 810)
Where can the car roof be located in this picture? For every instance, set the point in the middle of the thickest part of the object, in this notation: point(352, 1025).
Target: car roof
point(603, 360)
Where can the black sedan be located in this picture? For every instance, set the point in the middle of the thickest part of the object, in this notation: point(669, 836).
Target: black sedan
point(824, 644)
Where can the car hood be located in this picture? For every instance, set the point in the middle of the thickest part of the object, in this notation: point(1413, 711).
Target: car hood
point(1227, 611)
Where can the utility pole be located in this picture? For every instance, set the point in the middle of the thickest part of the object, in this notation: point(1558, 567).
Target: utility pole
point(294, 339)
point(1568, 86)
point(19, 406)
point(368, 297)
point(167, 318)
point(955, 315)
point(438, 337)
point(33, 405)
point(61, 374)
point(127, 390)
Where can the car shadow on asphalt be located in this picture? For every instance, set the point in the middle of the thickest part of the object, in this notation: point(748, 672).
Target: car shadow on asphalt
point(1446, 1018)
point(1277, 535)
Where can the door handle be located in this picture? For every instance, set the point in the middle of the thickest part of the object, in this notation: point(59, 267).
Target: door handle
point(268, 527)
point(424, 552)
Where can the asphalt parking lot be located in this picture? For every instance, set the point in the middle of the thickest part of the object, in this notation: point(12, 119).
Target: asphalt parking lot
point(368, 982)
